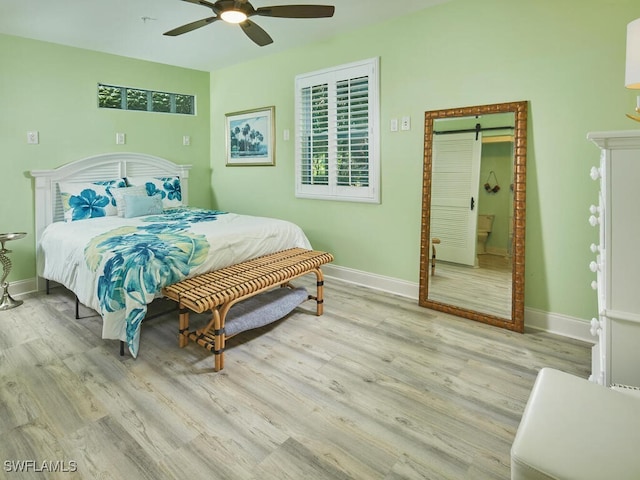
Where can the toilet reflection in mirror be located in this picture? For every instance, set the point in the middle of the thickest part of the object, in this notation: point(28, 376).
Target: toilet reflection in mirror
point(474, 157)
point(485, 224)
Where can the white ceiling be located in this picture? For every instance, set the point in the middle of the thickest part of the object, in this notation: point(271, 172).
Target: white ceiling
point(134, 28)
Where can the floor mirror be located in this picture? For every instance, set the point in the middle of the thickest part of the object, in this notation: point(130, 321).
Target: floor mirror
point(473, 213)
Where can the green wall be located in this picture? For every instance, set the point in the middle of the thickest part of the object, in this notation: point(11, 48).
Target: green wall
point(565, 57)
point(53, 89)
point(497, 158)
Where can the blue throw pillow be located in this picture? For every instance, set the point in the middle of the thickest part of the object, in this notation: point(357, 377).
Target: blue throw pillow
point(137, 206)
point(120, 193)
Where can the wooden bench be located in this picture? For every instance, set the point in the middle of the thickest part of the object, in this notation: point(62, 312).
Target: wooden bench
point(219, 290)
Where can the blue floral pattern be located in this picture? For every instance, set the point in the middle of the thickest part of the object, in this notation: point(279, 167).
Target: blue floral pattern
point(89, 200)
point(137, 261)
point(152, 190)
point(168, 188)
point(172, 188)
point(87, 205)
point(190, 215)
point(111, 184)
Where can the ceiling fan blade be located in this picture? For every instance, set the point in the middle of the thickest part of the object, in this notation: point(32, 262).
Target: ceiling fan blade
point(204, 3)
point(297, 11)
point(255, 33)
point(190, 26)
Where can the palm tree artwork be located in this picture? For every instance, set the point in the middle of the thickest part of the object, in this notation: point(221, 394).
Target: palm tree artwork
point(247, 136)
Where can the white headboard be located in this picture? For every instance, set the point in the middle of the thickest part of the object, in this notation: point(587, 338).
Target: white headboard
point(48, 205)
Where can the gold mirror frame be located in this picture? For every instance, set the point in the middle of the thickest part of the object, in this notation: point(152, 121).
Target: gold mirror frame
point(516, 322)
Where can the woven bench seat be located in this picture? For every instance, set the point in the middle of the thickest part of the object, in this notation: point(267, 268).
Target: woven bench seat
point(219, 290)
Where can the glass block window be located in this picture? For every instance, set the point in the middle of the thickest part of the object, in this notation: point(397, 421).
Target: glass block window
point(126, 98)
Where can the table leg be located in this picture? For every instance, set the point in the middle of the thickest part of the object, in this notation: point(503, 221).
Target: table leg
point(7, 301)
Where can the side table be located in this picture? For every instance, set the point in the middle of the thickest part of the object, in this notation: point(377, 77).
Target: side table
point(7, 301)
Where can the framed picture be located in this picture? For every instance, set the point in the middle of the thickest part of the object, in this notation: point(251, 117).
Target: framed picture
point(250, 137)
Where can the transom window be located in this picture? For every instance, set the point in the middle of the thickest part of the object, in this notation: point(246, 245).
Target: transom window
point(126, 98)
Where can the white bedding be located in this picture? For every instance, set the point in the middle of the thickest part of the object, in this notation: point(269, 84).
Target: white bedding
point(119, 265)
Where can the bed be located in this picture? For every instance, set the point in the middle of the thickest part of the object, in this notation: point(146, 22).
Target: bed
point(116, 249)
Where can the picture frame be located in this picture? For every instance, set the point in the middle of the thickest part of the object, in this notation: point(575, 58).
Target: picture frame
point(250, 137)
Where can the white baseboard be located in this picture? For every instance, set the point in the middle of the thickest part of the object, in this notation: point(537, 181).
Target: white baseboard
point(558, 323)
point(372, 280)
point(533, 319)
point(500, 252)
point(22, 287)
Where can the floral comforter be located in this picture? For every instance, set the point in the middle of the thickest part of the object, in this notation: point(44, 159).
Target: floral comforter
point(117, 266)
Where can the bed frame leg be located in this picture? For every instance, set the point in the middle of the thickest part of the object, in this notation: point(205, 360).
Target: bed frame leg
point(46, 282)
point(77, 308)
point(121, 348)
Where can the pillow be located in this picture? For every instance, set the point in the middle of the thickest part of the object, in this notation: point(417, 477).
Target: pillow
point(136, 205)
point(89, 200)
point(167, 187)
point(120, 193)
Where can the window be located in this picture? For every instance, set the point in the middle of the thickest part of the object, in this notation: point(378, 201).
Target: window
point(337, 131)
point(124, 98)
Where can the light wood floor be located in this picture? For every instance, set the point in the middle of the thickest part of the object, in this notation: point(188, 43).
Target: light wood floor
point(377, 388)
point(485, 289)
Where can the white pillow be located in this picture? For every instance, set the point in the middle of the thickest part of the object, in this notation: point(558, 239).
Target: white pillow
point(167, 187)
point(89, 200)
point(120, 193)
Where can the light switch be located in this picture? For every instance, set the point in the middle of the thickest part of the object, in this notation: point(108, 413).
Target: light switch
point(33, 138)
point(186, 140)
point(394, 124)
point(120, 138)
point(285, 134)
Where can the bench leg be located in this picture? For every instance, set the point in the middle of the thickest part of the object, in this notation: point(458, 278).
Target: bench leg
point(183, 328)
point(319, 298)
point(433, 260)
point(214, 343)
point(218, 341)
point(434, 242)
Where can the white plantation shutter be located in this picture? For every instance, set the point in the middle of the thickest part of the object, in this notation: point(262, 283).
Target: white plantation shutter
point(313, 135)
point(337, 133)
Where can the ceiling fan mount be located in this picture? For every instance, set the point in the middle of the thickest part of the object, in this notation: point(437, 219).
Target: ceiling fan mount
point(239, 11)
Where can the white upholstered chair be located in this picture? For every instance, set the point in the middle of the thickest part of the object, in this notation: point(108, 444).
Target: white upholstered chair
point(575, 429)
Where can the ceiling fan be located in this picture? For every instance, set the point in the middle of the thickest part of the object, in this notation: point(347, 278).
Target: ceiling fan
point(239, 11)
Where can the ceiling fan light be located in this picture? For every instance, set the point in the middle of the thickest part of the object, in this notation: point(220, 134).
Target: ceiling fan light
point(233, 16)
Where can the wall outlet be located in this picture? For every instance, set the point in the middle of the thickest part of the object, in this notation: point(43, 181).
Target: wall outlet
point(406, 123)
point(120, 138)
point(33, 138)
